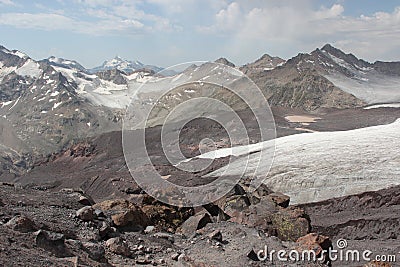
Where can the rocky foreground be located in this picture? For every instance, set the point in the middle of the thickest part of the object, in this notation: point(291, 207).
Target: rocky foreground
point(40, 227)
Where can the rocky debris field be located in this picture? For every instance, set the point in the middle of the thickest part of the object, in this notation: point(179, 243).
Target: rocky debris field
point(67, 228)
point(39, 227)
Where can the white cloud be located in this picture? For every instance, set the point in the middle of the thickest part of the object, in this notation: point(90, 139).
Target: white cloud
point(49, 22)
point(239, 29)
point(95, 17)
point(7, 3)
point(227, 19)
point(326, 13)
point(280, 25)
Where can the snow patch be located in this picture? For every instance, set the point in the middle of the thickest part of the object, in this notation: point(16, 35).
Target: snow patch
point(30, 68)
point(16, 102)
point(56, 105)
point(6, 103)
point(391, 105)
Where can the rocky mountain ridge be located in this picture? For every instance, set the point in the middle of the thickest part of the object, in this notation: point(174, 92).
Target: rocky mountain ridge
point(46, 105)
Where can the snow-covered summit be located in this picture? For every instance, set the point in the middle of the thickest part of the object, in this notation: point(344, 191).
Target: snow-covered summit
point(66, 63)
point(124, 65)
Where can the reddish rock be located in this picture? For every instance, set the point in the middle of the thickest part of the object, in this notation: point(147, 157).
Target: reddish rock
point(123, 218)
point(315, 242)
point(280, 199)
point(166, 217)
point(115, 204)
point(124, 213)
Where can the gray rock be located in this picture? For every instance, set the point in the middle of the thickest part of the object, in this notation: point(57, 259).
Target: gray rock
point(88, 234)
point(21, 223)
point(194, 223)
point(149, 229)
point(117, 246)
point(95, 251)
point(252, 255)
point(52, 242)
point(167, 236)
point(104, 229)
point(86, 214)
point(86, 200)
point(215, 235)
point(175, 256)
point(99, 213)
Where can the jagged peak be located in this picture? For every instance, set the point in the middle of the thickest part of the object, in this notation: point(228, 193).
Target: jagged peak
point(328, 47)
point(224, 61)
point(349, 57)
point(266, 57)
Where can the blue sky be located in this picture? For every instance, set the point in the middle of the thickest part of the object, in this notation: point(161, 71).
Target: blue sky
point(168, 32)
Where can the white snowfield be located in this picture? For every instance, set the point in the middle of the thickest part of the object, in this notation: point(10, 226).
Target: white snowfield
point(366, 83)
point(313, 167)
point(373, 88)
point(30, 68)
point(389, 105)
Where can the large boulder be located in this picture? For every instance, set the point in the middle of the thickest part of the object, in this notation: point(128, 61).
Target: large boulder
point(234, 205)
point(291, 224)
point(21, 223)
point(166, 217)
point(258, 216)
point(52, 242)
point(86, 214)
point(123, 218)
point(124, 213)
point(95, 251)
point(194, 223)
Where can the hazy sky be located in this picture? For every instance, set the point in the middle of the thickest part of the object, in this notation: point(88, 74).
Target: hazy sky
point(167, 32)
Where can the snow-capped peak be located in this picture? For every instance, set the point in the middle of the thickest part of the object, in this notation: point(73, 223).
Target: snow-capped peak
point(14, 52)
point(124, 65)
point(65, 63)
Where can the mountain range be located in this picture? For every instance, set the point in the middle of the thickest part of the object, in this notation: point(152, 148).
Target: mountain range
point(67, 193)
point(46, 105)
